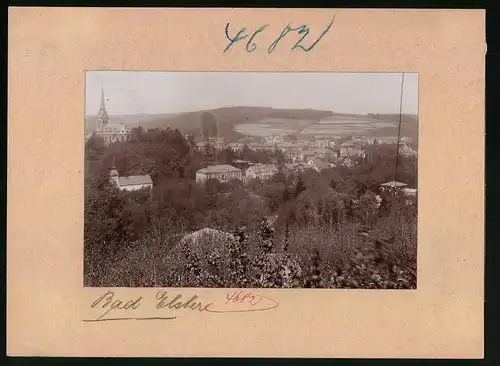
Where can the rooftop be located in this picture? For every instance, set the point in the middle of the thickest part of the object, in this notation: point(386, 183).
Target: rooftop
point(134, 180)
point(264, 168)
point(286, 145)
point(219, 169)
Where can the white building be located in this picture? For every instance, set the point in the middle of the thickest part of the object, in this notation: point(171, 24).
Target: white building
point(130, 183)
point(349, 152)
point(318, 165)
point(236, 146)
point(223, 173)
point(392, 186)
point(261, 171)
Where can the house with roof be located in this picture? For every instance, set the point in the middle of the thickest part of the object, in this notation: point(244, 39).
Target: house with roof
point(410, 192)
point(261, 171)
point(290, 149)
point(350, 152)
point(306, 155)
point(323, 143)
point(223, 173)
point(218, 143)
point(321, 153)
point(255, 146)
point(236, 146)
point(392, 186)
point(131, 182)
point(318, 165)
point(388, 140)
point(202, 146)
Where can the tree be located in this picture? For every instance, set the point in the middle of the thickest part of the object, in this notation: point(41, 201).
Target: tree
point(227, 156)
point(272, 194)
point(208, 125)
point(136, 134)
point(278, 157)
point(365, 208)
point(94, 147)
point(299, 186)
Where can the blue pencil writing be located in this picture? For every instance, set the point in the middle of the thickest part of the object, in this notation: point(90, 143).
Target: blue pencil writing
point(304, 30)
point(251, 46)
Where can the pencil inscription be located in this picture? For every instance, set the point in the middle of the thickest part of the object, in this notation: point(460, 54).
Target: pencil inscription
point(237, 301)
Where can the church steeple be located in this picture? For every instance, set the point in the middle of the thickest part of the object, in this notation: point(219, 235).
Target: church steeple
point(102, 115)
point(103, 105)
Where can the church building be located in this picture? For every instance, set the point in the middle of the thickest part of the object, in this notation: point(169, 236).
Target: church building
point(110, 131)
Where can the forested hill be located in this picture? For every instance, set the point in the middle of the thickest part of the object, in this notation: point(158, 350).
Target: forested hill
point(228, 117)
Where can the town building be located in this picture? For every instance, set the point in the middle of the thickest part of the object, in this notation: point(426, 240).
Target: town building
point(411, 192)
point(274, 139)
point(407, 151)
point(325, 143)
point(306, 155)
point(236, 146)
point(350, 152)
point(223, 173)
point(387, 140)
point(110, 131)
point(202, 146)
point(290, 150)
point(130, 183)
point(259, 147)
point(318, 165)
point(261, 171)
point(217, 142)
point(322, 153)
point(347, 144)
point(366, 140)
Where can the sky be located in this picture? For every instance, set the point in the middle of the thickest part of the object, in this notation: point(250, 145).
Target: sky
point(154, 92)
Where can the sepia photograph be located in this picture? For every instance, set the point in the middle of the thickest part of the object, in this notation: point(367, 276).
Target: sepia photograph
point(251, 179)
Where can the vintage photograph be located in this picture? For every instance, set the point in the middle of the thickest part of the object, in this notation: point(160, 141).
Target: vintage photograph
point(251, 180)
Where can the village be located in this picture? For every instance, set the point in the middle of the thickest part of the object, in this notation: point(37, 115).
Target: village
point(228, 198)
point(318, 154)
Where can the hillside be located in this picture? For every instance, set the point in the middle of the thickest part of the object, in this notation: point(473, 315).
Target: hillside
point(228, 118)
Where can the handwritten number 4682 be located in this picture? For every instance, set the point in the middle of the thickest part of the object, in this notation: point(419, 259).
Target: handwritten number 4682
point(302, 30)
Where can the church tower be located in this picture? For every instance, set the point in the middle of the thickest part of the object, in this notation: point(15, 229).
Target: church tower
point(102, 115)
point(113, 174)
